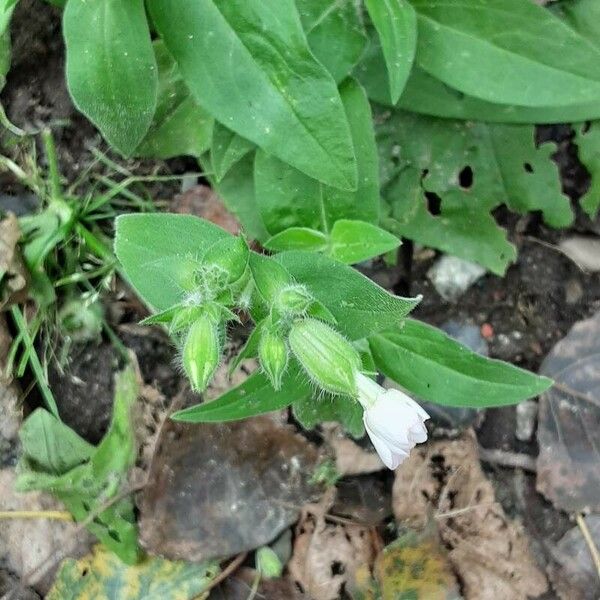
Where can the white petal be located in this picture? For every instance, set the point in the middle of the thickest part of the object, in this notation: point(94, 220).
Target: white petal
point(382, 449)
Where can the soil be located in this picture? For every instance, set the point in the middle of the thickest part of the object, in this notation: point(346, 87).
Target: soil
point(522, 314)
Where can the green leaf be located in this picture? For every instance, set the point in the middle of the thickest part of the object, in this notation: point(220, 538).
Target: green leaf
point(396, 24)
point(179, 125)
point(102, 576)
point(434, 367)
point(227, 148)
point(236, 189)
point(470, 169)
point(269, 276)
point(111, 70)
point(355, 241)
point(587, 138)
point(339, 20)
point(288, 198)
point(160, 251)
point(297, 238)
point(6, 10)
point(85, 480)
point(472, 46)
point(248, 63)
point(359, 305)
point(311, 411)
point(255, 396)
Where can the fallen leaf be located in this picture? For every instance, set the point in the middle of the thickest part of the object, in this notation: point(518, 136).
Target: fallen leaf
point(569, 421)
point(220, 489)
point(203, 202)
point(25, 543)
point(350, 458)
point(583, 251)
point(573, 574)
point(239, 587)
point(13, 274)
point(327, 556)
point(489, 553)
point(102, 576)
point(414, 566)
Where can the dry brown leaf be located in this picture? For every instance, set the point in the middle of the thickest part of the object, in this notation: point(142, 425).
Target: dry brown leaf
point(327, 556)
point(9, 403)
point(13, 274)
point(489, 552)
point(202, 201)
point(350, 458)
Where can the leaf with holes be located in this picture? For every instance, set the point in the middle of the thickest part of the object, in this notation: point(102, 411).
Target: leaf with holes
point(587, 138)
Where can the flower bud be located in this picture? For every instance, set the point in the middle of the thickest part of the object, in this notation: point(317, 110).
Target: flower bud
point(201, 351)
point(327, 357)
point(294, 299)
point(273, 356)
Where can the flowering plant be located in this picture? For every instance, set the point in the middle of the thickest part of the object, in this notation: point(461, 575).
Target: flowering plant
point(322, 331)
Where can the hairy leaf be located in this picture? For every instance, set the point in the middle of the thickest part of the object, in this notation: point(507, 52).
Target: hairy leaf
point(248, 63)
point(111, 70)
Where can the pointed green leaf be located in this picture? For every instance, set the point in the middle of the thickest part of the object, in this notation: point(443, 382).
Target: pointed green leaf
point(396, 24)
point(434, 367)
point(355, 241)
point(248, 63)
point(111, 70)
point(297, 238)
point(227, 148)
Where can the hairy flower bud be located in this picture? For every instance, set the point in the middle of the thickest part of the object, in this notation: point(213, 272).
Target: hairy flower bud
point(327, 357)
point(293, 299)
point(201, 351)
point(273, 356)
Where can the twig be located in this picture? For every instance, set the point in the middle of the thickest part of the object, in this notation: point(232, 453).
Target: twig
point(508, 459)
point(226, 572)
point(57, 515)
point(556, 249)
point(587, 536)
point(460, 511)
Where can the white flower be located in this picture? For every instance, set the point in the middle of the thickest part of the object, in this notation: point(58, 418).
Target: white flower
point(393, 420)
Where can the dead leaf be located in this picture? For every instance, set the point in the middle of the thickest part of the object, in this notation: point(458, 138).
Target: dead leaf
point(9, 404)
point(219, 489)
point(13, 274)
point(569, 421)
point(25, 543)
point(574, 575)
point(327, 556)
point(350, 458)
point(203, 202)
point(489, 552)
point(239, 587)
point(413, 566)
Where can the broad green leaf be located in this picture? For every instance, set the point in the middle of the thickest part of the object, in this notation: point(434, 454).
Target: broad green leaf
point(507, 51)
point(6, 11)
point(311, 411)
point(236, 189)
point(255, 396)
point(581, 15)
point(335, 33)
point(434, 367)
point(227, 148)
point(102, 576)
point(55, 446)
point(396, 24)
point(158, 251)
point(468, 169)
point(359, 305)
point(587, 138)
point(179, 125)
point(84, 487)
point(248, 63)
point(288, 198)
point(355, 241)
point(298, 238)
point(111, 70)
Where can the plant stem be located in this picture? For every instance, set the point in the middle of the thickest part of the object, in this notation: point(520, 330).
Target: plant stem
point(34, 360)
point(53, 172)
point(58, 515)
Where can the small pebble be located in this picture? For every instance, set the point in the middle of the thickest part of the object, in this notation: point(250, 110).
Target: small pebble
point(526, 417)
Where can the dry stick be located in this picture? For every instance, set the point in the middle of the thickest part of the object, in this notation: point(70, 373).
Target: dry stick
point(226, 572)
point(587, 536)
point(508, 459)
point(460, 511)
point(57, 515)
